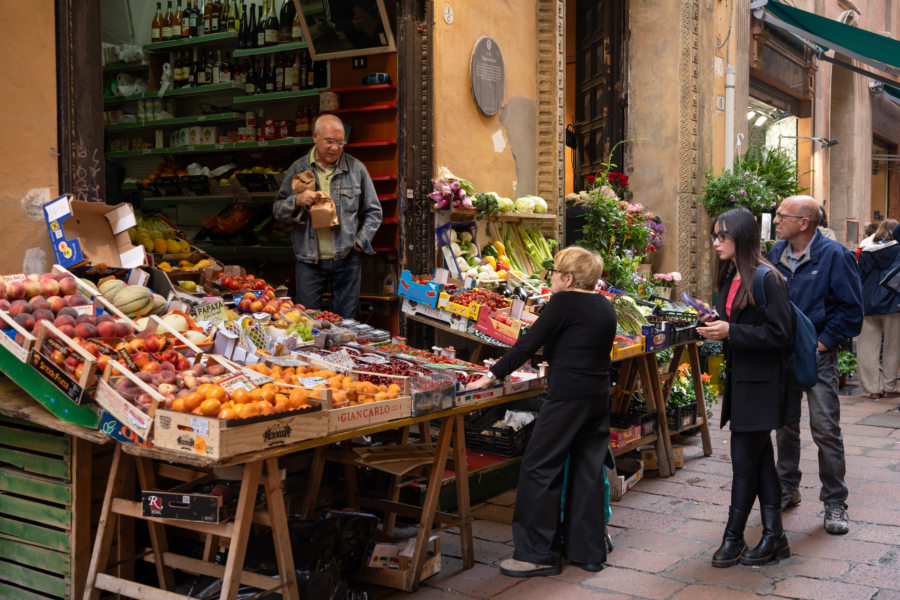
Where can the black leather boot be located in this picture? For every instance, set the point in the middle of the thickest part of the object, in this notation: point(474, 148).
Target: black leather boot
point(774, 544)
point(733, 544)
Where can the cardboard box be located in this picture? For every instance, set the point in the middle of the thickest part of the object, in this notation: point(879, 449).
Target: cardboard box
point(411, 307)
point(648, 457)
point(92, 231)
point(427, 294)
point(629, 471)
point(656, 336)
point(219, 438)
point(353, 417)
point(502, 332)
point(208, 508)
point(398, 574)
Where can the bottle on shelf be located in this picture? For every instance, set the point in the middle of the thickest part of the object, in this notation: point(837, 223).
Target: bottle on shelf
point(167, 23)
point(304, 67)
point(310, 72)
point(207, 18)
point(225, 72)
point(261, 26)
point(175, 27)
point(250, 82)
point(192, 19)
point(217, 68)
point(216, 16)
point(287, 74)
point(270, 75)
point(157, 24)
point(175, 61)
point(271, 25)
point(296, 27)
point(208, 62)
point(285, 21)
point(240, 74)
point(193, 73)
point(201, 69)
point(242, 29)
point(185, 69)
point(295, 73)
point(232, 16)
point(185, 19)
point(250, 42)
point(239, 15)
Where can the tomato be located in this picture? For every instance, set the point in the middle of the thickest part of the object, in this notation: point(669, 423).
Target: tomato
point(228, 282)
point(246, 286)
point(259, 284)
point(250, 277)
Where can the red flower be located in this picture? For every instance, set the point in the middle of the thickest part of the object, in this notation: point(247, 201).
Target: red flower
point(590, 178)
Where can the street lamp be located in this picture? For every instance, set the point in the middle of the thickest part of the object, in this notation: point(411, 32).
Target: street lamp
point(826, 143)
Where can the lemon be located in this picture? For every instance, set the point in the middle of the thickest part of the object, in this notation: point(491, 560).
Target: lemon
point(185, 246)
point(156, 234)
point(188, 286)
point(147, 243)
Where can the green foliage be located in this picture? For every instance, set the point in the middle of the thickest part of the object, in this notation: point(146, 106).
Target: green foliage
point(846, 363)
point(682, 392)
point(761, 178)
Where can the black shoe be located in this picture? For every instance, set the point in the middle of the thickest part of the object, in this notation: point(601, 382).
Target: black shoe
point(836, 518)
point(593, 567)
point(773, 546)
point(733, 544)
point(789, 499)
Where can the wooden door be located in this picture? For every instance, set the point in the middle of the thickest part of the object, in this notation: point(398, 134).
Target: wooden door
point(600, 96)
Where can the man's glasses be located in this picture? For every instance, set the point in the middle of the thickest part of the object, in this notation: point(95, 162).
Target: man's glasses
point(781, 215)
point(332, 142)
point(719, 237)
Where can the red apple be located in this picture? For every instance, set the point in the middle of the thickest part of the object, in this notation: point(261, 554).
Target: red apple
point(106, 329)
point(183, 364)
point(49, 287)
point(18, 307)
point(32, 288)
point(25, 320)
point(15, 290)
point(77, 300)
point(57, 303)
point(85, 330)
point(68, 286)
point(122, 329)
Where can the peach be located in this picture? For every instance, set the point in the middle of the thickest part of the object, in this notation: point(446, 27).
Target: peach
point(49, 287)
point(39, 303)
point(2, 290)
point(64, 320)
point(68, 286)
point(18, 307)
point(80, 318)
point(150, 366)
point(69, 330)
point(154, 342)
point(122, 329)
point(25, 320)
point(105, 317)
point(256, 306)
point(249, 296)
point(32, 288)
point(106, 329)
point(77, 300)
point(85, 330)
point(4, 304)
point(43, 314)
point(67, 310)
point(140, 359)
point(15, 290)
point(57, 303)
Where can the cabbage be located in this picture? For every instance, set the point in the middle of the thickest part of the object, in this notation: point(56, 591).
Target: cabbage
point(505, 204)
point(540, 205)
point(525, 204)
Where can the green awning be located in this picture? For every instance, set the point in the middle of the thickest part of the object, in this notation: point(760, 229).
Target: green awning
point(892, 92)
point(878, 51)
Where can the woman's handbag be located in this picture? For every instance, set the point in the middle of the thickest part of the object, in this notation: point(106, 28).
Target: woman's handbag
point(891, 280)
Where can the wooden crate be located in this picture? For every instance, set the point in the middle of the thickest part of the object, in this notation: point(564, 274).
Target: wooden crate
point(403, 578)
point(220, 438)
point(45, 523)
point(371, 413)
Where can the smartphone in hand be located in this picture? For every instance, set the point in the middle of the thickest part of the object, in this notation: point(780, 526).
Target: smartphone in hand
point(701, 307)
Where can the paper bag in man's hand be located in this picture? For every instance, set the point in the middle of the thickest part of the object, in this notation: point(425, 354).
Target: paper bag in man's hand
point(323, 212)
point(302, 182)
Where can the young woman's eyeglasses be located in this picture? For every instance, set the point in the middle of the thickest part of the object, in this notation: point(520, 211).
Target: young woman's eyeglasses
point(719, 237)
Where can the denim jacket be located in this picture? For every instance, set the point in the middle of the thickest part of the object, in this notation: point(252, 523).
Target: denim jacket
point(358, 209)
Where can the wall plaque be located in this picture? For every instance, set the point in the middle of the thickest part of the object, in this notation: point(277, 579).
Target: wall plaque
point(488, 76)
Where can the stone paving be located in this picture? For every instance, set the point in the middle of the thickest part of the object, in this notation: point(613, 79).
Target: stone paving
point(666, 530)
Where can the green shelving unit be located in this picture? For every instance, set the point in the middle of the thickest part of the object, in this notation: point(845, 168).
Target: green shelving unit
point(186, 91)
point(192, 120)
point(274, 96)
point(222, 38)
point(233, 251)
point(125, 67)
point(158, 201)
point(206, 148)
point(288, 47)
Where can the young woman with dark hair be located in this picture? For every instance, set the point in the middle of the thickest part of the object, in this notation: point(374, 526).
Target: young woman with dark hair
point(755, 399)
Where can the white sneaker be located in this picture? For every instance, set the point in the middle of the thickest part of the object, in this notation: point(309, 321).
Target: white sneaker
point(520, 568)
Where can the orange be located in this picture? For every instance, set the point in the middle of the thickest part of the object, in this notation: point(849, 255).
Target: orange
point(202, 389)
point(251, 409)
point(277, 371)
point(210, 407)
point(297, 395)
point(270, 386)
point(217, 392)
point(255, 394)
point(394, 388)
point(178, 404)
point(197, 411)
point(265, 408)
point(282, 398)
point(240, 396)
point(263, 369)
point(229, 413)
point(382, 396)
point(282, 403)
point(193, 400)
point(268, 395)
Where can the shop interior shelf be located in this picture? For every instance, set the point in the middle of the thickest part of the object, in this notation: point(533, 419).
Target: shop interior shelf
point(389, 221)
point(252, 250)
point(123, 67)
point(386, 197)
point(389, 177)
point(272, 96)
point(223, 37)
point(359, 109)
point(362, 88)
point(385, 249)
point(191, 120)
point(205, 148)
point(185, 91)
point(286, 47)
point(156, 201)
point(505, 216)
point(371, 143)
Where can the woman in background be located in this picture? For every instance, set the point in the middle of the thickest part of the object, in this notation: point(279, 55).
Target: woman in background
point(576, 329)
point(756, 396)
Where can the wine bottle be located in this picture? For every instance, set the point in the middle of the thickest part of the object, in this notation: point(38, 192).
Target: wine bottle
point(232, 16)
point(295, 73)
point(270, 75)
point(242, 29)
point(217, 68)
point(157, 24)
point(250, 42)
point(285, 21)
point(250, 84)
point(207, 18)
point(176, 22)
point(310, 73)
point(296, 28)
point(238, 14)
point(186, 19)
point(208, 63)
point(261, 26)
point(225, 75)
point(272, 31)
point(167, 23)
point(193, 75)
point(287, 74)
point(192, 19)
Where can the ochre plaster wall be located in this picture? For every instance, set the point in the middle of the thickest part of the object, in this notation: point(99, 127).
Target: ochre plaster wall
point(28, 167)
point(470, 144)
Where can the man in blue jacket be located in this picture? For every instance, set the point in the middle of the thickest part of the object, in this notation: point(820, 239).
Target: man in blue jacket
point(825, 285)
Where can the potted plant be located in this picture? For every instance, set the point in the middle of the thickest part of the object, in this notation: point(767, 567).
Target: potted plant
point(846, 366)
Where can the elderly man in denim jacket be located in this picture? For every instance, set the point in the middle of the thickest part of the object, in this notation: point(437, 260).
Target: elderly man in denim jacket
point(330, 253)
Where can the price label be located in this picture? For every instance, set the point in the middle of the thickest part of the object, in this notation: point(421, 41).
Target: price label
point(214, 311)
point(309, 382)
point(199, 426)
point(233, 382)
point(146, 151)
point(373, 360)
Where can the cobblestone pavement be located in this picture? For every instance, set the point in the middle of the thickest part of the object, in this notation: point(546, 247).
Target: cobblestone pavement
point(666, 530)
